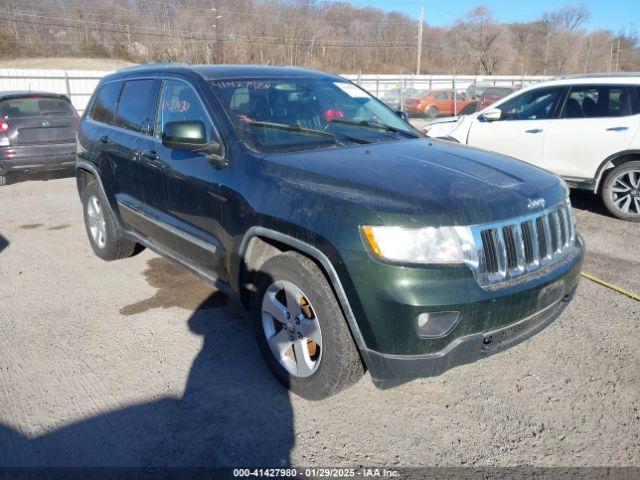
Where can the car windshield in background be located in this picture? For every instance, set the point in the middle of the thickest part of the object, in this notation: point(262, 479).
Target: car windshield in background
point(34, 106)
point(497, 91)
point(302, 113)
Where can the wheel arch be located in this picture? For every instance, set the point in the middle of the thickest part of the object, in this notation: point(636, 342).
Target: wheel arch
point(260, 243)
point(611, 162)
point(85, 172)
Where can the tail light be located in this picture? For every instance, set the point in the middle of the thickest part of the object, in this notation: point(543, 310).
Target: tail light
point(4, 126)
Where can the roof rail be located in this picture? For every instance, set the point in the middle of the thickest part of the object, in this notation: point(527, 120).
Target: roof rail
point(145, 66)
point(598, 75)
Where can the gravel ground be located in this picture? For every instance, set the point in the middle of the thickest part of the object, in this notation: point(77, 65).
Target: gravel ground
point(137, 363)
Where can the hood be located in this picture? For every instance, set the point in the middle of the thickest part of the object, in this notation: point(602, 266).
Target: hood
point(421, 181)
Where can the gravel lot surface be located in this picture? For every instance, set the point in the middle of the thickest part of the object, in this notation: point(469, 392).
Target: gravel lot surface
point(137, 362)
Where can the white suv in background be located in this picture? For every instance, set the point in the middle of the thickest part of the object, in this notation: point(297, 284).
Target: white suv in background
point(585, 129)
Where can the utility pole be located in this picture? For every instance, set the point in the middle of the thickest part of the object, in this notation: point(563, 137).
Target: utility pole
point(610, 64)
point(546, 53)
point(420, 27)
point(617, 54)
point(587, 57)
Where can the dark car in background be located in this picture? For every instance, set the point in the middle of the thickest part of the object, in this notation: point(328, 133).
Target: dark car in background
point(476, 89)
point(357, 243)
point(37, 133)
point(492, 94)
point(394, 98)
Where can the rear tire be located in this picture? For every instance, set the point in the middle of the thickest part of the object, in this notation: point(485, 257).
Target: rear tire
point(621, 191)
point(300, 329)
point(432, 112)
point(105, 238)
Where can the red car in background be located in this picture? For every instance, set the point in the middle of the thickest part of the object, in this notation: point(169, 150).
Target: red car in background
point(441, 103)
point(492, 94)
point(412, 103)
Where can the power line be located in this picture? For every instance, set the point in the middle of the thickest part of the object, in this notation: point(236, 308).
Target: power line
point(153, 31)
point(226, 37)
point(199, 10)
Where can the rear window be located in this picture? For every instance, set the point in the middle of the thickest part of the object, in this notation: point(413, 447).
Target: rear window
point(105, 104)
point(34, 106)
point(598, 101)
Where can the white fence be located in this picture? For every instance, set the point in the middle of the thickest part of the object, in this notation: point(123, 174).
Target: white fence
point(78, 85)
point(379, 84)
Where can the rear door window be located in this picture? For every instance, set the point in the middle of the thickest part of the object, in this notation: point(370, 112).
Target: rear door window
point(35, 107)
point(105, 104)
point(598, 101)
point(136, 107)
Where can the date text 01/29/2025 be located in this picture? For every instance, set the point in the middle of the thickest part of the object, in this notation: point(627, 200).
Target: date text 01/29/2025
point(315, 472)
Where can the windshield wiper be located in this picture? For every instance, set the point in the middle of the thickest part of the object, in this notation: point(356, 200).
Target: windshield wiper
point(291, 128)
point(375, 125)
point(313, 131)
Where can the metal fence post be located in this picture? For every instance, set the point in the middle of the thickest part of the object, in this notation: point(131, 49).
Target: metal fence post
point(377, 86)
point(66, 81)
point(455, 98)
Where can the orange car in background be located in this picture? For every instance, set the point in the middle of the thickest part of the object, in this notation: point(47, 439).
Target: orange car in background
point(441, 103)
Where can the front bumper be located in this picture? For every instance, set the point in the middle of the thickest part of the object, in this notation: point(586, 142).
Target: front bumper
point(37, 157)
point(489, 321)
point(391, 370)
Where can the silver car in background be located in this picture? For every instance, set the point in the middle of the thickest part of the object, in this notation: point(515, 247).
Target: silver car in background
point(37, 133)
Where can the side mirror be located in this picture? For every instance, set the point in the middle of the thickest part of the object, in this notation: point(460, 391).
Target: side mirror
point(403, 115)
point(190, 136)
point(492, 115)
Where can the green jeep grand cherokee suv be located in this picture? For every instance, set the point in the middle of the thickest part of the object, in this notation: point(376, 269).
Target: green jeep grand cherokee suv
point(357, 243)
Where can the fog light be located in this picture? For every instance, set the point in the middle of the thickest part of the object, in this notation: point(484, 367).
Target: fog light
point(436, 324)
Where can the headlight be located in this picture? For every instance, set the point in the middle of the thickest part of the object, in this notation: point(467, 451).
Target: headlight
point(422, 245)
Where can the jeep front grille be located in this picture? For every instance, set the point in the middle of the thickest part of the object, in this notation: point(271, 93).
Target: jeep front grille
point(515, 249)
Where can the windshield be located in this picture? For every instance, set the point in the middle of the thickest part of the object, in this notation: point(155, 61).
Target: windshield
point(301, 113)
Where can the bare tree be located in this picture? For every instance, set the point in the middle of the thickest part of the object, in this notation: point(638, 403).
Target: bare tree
point(334, 36)
point(571, 17)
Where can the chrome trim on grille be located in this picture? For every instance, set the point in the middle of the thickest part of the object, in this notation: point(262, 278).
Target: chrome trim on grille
point(514, 250)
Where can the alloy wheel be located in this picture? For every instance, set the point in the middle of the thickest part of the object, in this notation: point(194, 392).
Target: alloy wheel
point(96, 221)
point(625, 192)
point(292, 329)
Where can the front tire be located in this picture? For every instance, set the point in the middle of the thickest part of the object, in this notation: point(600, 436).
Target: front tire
point(621, 191)
point(105, 238)
point(301, 330)
point(3, 180)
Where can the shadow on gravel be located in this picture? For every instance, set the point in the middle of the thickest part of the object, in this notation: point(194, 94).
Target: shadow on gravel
point(4, 243)
point(232, 413)
point(585, 200)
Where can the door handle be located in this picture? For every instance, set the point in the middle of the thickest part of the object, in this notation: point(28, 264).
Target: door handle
point(533, 130)
point(152, 159)
point(151, 156)
point(104, 139)
point(617, 129)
